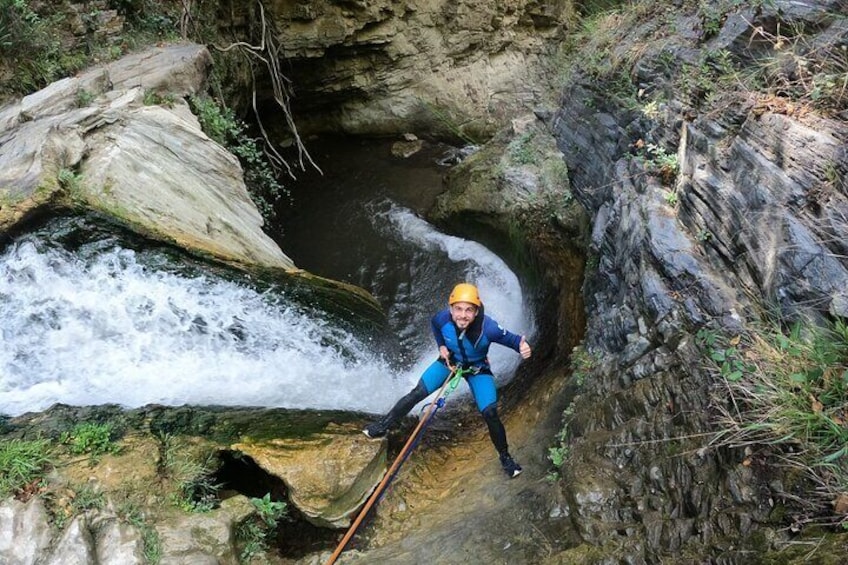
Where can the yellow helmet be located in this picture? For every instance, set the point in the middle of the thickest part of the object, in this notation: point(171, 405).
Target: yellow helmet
point(465, 292)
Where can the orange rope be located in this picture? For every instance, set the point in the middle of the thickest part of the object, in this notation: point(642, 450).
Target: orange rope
point(389, 474)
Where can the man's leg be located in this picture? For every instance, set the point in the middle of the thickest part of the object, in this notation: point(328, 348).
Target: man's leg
point(486, 397)
point(430, 381)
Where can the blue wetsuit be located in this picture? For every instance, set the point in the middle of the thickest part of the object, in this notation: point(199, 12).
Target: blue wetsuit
point(469, 349)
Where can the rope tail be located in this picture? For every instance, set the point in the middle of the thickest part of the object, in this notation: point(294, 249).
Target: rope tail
point(449, 385)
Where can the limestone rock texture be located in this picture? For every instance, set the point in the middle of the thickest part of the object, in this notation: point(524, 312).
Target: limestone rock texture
point(149, 167)
point(328, 475)
point(459, 69)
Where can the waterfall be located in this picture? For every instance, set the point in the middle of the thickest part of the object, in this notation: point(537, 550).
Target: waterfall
point(107, 327)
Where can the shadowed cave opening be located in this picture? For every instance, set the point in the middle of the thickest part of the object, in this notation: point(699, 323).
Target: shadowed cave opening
point(294, 536)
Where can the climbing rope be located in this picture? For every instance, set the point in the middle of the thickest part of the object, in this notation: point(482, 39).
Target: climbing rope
point(450, 384)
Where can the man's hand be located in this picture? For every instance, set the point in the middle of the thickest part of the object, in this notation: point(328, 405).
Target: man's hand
point(444, 354)
point(524, 348)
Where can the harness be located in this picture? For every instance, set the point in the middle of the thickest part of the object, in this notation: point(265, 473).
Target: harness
point(464, 366)
point(469, 369)
point(466, 370)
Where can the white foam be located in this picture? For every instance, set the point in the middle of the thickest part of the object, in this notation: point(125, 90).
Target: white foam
point(110, 330)
point(499, 287)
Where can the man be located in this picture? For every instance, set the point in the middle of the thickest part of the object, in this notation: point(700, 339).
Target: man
point(463, 333)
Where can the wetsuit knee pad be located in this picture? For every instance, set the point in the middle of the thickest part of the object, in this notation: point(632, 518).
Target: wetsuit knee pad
point(419, 393)
point(490, 413)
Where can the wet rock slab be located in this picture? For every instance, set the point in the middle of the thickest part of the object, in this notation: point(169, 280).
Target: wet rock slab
point(151, 483)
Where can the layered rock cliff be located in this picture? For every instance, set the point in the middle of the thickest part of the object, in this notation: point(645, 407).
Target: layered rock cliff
point(716, 204)
point(750, 227)
point(457, 70)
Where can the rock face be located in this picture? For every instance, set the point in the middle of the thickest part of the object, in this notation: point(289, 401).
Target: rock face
point(140, 499)
point(329, 475)
point(757, 210)
point(458, 69)
point(150, 167)
point(514, 195)
point(752, 217)
point(25, 531)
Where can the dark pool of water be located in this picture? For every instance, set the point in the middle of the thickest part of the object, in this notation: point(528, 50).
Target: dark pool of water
point(331, 227)
point(327, 227)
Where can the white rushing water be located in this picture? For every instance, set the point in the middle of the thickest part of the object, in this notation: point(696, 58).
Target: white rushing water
point(108, 329)
point(499, 288)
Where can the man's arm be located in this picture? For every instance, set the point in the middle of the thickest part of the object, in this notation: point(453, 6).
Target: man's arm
point(436, 323)
point(497, 334)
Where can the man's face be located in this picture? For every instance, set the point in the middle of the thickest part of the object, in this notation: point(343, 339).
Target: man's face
point(463, 313)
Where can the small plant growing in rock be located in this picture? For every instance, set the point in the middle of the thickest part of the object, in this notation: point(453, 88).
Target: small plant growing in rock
point(153, 98)
point(651, 110)
point(221, 125)
point(252, 534)
point(193, 475)
point(709, 78)
point(63, 507)
point(87, 497)
point(582, 362)
point(671, 198)
point(84, 98)
point(728, 358)
point(91, 438)
point(522, 150)
point(70, 180)
point(712, 18)
point(269, 511)
point(660, 162)
point(129, 510)
point(559, 452)
point(22, 463)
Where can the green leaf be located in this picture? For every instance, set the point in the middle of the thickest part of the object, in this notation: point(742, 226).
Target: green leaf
point(734, 376)
point(835, 455)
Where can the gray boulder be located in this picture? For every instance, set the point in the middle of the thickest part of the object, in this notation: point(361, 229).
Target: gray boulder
point(149, 167)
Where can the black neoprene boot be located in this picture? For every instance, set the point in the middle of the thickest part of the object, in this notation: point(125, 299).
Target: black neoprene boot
point(510, 467)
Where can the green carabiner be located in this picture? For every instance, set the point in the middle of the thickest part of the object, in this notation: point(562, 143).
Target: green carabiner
point(454, 382)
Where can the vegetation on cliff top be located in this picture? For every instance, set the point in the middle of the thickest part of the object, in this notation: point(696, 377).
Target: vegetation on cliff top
point(41, 43)
point(782, 396)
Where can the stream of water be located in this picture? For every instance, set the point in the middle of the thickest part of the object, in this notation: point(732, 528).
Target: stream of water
point(103, 325)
